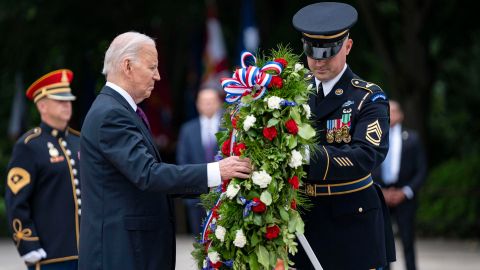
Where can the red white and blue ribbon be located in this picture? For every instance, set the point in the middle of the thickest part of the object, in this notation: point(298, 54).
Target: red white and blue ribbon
point(249, 77)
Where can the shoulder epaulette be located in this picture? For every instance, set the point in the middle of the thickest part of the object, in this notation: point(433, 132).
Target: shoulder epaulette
point(74, 131)
point(370, 87)
point(32, 134)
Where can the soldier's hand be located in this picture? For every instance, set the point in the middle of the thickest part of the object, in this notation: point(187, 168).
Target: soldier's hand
point(235, 167)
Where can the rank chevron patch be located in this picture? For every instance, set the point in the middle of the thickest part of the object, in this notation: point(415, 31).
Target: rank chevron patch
point(374, 133)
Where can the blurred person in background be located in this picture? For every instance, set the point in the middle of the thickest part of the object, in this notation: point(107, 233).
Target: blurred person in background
point(401, 175)
point(43, 189)
point(197, 144)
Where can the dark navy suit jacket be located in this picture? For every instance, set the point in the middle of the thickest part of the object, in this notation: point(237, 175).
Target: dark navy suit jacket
point(127, 219)
point(190, 149)
point(413, 163)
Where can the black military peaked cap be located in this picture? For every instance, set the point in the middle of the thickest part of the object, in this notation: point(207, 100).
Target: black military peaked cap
point(324, 27)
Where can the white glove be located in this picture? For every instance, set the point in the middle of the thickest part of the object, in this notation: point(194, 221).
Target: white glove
point(34, 256)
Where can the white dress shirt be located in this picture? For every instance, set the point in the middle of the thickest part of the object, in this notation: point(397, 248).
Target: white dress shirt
point(328, 85)
point(213, 168)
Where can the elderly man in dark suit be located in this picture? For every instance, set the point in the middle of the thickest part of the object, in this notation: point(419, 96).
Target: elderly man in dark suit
point(127, 213)
point(401, 175)
point(199, 131)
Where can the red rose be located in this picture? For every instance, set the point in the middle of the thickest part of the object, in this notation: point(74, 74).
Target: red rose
point(239, 148)
point(294, 182)
point(293, 204)
point(260, 207)
point(226, 147)
point(282, 62)
point(270, 132)
point(292, 127)
point(272, 232)
point(276, 82)
point(217, 264)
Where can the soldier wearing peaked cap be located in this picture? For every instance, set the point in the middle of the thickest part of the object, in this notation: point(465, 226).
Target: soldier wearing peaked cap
point(348, 225)
point(43, 196)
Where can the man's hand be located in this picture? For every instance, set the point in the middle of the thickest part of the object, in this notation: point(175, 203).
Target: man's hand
point(397, 196)
point(393, 196)
point(235, 167)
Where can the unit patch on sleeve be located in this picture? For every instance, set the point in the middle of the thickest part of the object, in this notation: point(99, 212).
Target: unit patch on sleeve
point(18, 178)
point(374, 133)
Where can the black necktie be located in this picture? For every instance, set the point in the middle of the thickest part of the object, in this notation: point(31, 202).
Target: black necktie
point(320, 95)
point(143, 116)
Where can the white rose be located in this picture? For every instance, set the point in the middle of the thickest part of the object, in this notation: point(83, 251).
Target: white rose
point(213, 256)
point(266, 198)
point(261, 178)
point(220, 233)
point(298, 67)
point(295, 159)
point(232, 190)
point(274, 102)
point(240, 239)
point(249, 122)
point(308, 111)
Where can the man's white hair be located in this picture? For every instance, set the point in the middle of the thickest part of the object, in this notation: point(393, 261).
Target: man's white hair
point(124, 46)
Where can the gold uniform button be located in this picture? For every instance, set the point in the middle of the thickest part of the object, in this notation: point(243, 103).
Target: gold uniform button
point(360, 210)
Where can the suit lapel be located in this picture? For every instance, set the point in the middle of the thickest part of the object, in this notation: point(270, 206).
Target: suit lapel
point(138, 122)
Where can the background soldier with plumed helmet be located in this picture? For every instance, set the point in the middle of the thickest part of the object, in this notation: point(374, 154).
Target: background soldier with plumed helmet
point(43, 189)
point(347, 225)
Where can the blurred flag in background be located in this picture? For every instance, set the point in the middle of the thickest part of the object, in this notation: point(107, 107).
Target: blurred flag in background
point(249, 37)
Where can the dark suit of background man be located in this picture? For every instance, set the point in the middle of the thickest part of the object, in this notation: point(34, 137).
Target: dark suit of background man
point(401, 175)
point(197, 144)
point(43, 189)
point(127, 220)
point(347, 225)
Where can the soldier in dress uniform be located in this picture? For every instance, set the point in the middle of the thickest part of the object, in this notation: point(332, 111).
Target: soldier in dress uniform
point(43, 184)
point(348, 225)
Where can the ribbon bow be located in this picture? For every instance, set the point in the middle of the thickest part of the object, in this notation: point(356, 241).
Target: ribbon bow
point(248, 205)
point(20, 234)
point(248, 78)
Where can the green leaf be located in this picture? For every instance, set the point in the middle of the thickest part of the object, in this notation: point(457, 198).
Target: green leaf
point(295, 115)
point(276, 114)
point(300, 227)
point(272, 122)
point(292, 224)
point(306, 131)
point(253, 261)
point(263, 258)
point(292, 141)
point(283, 213)
point(254, 240)
point(257, 220)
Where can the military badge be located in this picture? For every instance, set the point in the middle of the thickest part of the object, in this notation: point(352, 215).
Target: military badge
point(338, 135)
point(17, 179)
point(54, 154)
point(339, 91)
point(345, 130)
point(330, 136)
point(374, 133)
point(348, 103)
